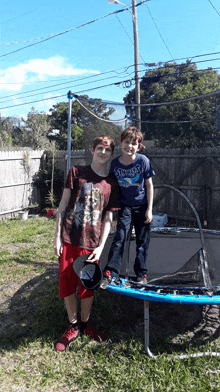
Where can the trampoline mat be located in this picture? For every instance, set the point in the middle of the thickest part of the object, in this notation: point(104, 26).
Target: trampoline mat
point(173, 258)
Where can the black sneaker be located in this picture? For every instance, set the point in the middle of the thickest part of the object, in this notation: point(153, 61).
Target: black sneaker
point(142, 279)
point(106, 279)
point(117, 281)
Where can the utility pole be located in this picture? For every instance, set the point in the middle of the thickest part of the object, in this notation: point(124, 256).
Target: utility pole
point(70, 97)
point(136, 62)
point(136, 59)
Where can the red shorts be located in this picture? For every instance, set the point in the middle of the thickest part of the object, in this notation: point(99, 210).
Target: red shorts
point(68, 280)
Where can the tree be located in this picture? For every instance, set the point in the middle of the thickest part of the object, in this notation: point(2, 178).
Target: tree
point(6, 126)
point(34, 132)
point(58, 119)
point(187, 124)
point(84, 125)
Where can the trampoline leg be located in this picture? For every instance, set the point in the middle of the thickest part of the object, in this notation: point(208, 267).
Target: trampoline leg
point(147, 328)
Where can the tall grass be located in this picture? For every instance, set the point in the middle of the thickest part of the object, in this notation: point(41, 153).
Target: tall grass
point(32, 317)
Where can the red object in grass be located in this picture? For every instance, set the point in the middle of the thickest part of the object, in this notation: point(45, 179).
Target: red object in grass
point(51, 212)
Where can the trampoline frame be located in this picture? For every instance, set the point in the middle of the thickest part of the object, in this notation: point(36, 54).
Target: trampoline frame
point(173, 298)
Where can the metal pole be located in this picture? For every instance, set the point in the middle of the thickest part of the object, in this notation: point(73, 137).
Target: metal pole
point(70, 97)
point(136, 62)
point(147, 328)
point(136, 59)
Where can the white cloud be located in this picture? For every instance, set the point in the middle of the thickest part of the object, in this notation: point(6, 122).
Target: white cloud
point(13, 78)
point(46, 105)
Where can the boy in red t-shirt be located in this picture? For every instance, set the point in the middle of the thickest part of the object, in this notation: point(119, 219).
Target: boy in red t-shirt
point(83, 223)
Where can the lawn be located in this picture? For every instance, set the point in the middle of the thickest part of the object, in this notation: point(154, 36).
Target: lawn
point(32, 317)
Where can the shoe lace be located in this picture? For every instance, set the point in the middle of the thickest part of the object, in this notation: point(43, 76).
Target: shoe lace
point(68, 332)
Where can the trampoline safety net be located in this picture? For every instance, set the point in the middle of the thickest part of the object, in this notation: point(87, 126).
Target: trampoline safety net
point(179, 259)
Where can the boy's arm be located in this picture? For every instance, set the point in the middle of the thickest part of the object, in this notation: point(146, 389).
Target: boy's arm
point(106, 226)
point(150, 197)
point(57, 243)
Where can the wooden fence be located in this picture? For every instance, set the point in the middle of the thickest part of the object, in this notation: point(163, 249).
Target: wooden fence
point(194, 172)
point(18, 170)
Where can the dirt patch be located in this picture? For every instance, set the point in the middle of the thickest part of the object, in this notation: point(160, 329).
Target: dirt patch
point(14, 248)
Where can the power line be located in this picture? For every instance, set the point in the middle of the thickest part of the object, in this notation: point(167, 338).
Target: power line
point(179, 101)
point(29, 103)
point(59, 84)
point(158, 30)
point(178, 122)
point(57, 97)
point(51, 36)
point(193, 57)
point(143, 121)
point(123, 70)
point(132, 105)
point(128, 35)
point(214, 7)
point(126, 84)
point(122, 104)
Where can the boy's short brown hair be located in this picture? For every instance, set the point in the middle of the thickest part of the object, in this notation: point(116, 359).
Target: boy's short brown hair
point(133, 133)
point(105, 140)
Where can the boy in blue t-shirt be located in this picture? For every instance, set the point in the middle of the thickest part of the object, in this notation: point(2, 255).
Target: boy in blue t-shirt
point(134, 174)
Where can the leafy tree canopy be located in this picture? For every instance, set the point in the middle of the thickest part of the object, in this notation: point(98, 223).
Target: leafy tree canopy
point(187, 124)
point(40, 129)
point(84, 125)
point(6, 127)
point(33, 132)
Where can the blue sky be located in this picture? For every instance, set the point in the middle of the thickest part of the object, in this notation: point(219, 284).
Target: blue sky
point(95, 50)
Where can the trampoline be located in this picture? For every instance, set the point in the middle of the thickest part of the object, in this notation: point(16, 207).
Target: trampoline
point(183, 268)
point(183, 264)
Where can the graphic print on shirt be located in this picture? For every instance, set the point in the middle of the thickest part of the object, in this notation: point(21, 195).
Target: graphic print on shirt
point(128, 177)
point(87, 208)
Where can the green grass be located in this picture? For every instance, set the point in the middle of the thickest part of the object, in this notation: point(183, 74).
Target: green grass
point(32, 317)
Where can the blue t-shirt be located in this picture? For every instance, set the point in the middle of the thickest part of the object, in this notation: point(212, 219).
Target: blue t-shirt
point(131, 179)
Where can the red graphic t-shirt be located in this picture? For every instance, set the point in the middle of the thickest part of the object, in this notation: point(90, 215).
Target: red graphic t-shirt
point(91, 196)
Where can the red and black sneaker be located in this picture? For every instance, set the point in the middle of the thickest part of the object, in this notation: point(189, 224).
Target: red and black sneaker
point(106, 279)
point(94, 333)
point(142, 279)
point(69, 335)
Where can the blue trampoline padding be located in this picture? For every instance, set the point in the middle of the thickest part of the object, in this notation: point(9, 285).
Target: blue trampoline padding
point(160, 297)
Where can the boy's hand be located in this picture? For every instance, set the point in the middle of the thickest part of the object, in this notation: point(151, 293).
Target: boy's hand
point(148, 216)
point(95, 255)
point(57, 246)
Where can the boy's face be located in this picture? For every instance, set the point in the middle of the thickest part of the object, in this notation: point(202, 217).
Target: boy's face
point(129, 146)
point(102, 153)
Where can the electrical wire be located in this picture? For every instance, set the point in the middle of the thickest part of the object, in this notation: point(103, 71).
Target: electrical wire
point(176, 102)
point(214, 7)
point(158, 30)
point(178, 122)
point(193, 57)
point(128, 35)
point(123, 71)
point(148, 122)
point(123, 104)
point(55, 85)
point(57, 97)
point(51, 36)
